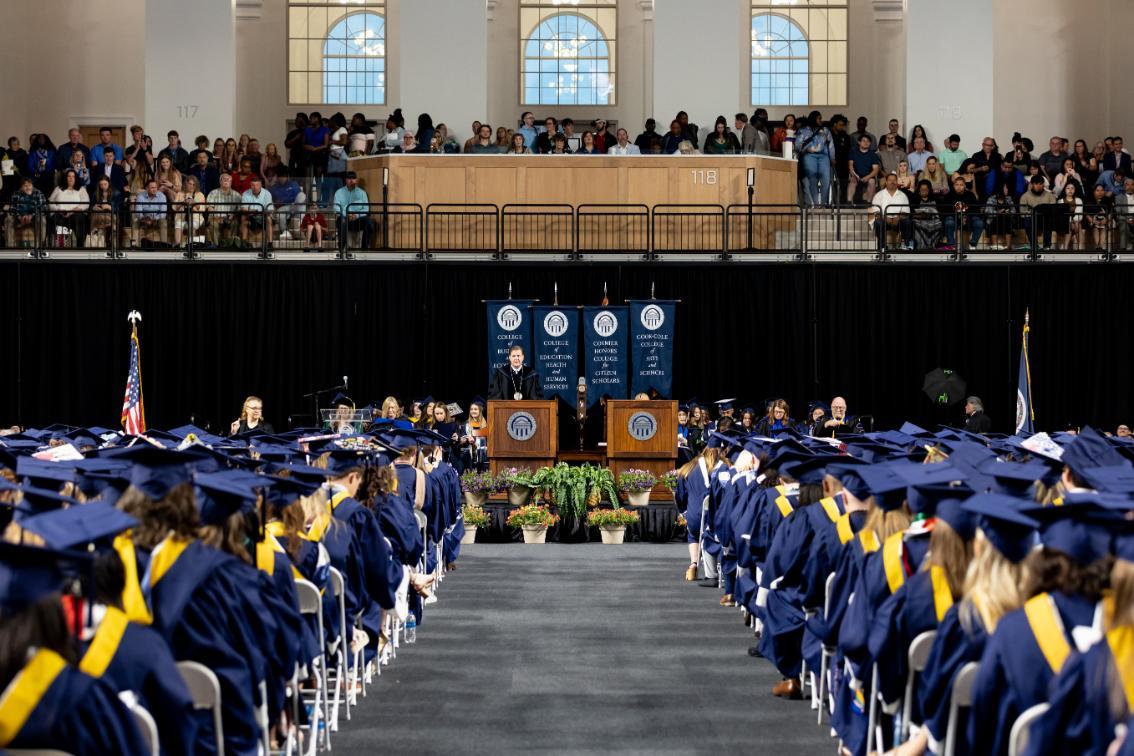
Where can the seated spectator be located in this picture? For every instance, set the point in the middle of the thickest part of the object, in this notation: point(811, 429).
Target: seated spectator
point(1006, 179)
point(1001, 213)
point(985, 162)
point(484, 144)
point(65, 155)
point(189, 204)
point(642, 141)
point(395, 128)
point(150, 212)
point(110, 170)
point(27, 208)
point(895, 131)
point(1112, 182)
point(224, 156)
point(951, 157)
point(1068, 217)
point(472, 139)
point(68, 204)
point(176, 153)
point(105, 139)
point(242, 181)
point(1098, 220)
point(518, 145)
point(138, 158)
point(622, 146)
point(256, 208)
point(961, 208)
point(528, 131)
point(1124, 213)
point(655, 146)
point(352, 207)
point(588, 147)
point(202, 143)
point(425, 132)
point(168, 178)
point(437, 144)
point(41, 163)
point(503, 139)
point(270, 163)
point(691, 131)
point(918, 132)
point(891, 210)
point(559, 145)
point(223, 203)
point(1034, 171)
point(13, 165)
point(906, 178)
point(543, 140)
point(449, 144)
point(926, 219)
point(721, 141)
point(603, 139)
point(1051, 162)
point(1069, 174)
point(289, 200)
point(409, 144)
point(206, 174)
point(865, 168)
point(860, 130)
point(936, 176)
point(1085, 164)
point(687, 148)
point(919, 155)
point(105, 201)
point(673, 138)
point(79, 165)
point(890, 154)
point(313, 226)
point(568, 127)
point(1040, 202)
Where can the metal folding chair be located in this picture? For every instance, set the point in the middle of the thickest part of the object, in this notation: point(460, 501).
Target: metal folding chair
point(147, 727)
point(825, 658)
point(204, 689)
point(341, 680)
point(961, 698)
point(311, 603)
point(918, 655)
point(1021, 729)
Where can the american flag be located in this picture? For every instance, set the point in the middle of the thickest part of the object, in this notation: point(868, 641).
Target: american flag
point(133, 411)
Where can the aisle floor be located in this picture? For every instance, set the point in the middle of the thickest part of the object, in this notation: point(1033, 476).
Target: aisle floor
point(578, 649)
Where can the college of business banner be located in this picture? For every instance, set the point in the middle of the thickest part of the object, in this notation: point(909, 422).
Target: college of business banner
point(509, 322)
point(651, 346)
point(605, 333)
point(555, 350)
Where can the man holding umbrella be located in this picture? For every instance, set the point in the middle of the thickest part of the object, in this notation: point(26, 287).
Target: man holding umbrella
point(976, 421)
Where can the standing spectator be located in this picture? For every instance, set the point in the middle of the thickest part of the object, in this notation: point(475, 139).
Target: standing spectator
point(336, 157)
point(1051, 162)
point(673, 138)
point(750, 138)
point(271, 163)
point(1040, 202)
point(223, 204)
point(150, 210)
point(649, 133)
point(1117, 159)
point(984, 162)
point(110, 170)
point(895, 130)
point(890, 154)
point(783, 133)
point(864, 168)
point(484, 144)
point(518, 147)
point(841, 156)
point(468, 142)
point(177, 154)
point(395, 130)
point(361, 141)
point(891, 210)
point(623, 146)
point(317, 144)
point(295, 143)
point(860, 131)
point(256, 207)
point(73, 145)
point(139, 156)
point(503, 139)
point(919, 155)
point(815, 149)
point(1124, 214)
point(952, 157)
point(41, 163)
point(242, 180)
point(528, 130)
point(202, 143)
point(288, 198)
point(936, 176)
point(721, 141)
point(105, 139)
point(603, 140)
point(207, 177)
point(690, 130)
point(588, 147)
point(543, 139)
point(961, 209)
point(79, 165)
point(68, 204)
point(424, 132)
point(27, 207)
point(352, 206)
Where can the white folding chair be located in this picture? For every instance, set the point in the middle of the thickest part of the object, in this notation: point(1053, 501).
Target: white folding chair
point(873, 729)
point(825, 657)
point(422, 523)
point(960, 698)
point(204, 689)
point(341, 681)
point(311, 603)
point(806, 676)
point(1021, 728)
point(918, 655)
point(147, 727)
point(262, 718)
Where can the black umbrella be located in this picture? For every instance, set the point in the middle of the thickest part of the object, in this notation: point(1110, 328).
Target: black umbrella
point(944, 386)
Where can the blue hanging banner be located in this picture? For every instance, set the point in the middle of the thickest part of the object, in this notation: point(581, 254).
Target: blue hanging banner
point(555, 352)
point(605, 342)
point(651, 346)
point(509, 322)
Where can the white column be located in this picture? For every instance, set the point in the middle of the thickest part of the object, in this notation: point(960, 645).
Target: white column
point(443, 66)
point(949, 84)
point(696, 61)
point(194, 94)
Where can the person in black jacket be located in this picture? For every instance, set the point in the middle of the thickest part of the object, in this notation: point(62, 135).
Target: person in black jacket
point(976, 421)
point(515, 380)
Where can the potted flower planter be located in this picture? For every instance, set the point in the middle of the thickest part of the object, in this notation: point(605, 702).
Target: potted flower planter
point(470, 534)
point(535, 534)
point(638, 498)
point(518, 495)
point(612, 534)
point(476, 498)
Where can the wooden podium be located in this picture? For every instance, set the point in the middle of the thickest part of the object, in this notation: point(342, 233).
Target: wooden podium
point(522, 434)
point(643, 435)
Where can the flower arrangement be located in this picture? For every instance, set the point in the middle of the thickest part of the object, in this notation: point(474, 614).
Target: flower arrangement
point(531, 515)
point(475, 516)
point(513, 476)
point(669, 480)
point(636, 481)
point(611, 518)
point(478, 482)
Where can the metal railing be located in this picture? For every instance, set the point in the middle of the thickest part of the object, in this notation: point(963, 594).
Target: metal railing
point(538, 228)
point(462, 228)
point(764, 228)
point(687, 229)
point(612, 228)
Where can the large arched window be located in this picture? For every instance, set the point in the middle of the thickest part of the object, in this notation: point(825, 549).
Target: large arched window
point(568, 56)
point(799, 52)
point(336, 52)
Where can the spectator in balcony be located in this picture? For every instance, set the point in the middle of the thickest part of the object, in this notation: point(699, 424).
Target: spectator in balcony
point(289, 200)
point(168, 178)
point(270, 163)
point(783, 133)
point(229, 162)
point(177, 154)
point(568, 127)
point(336, 156)
point(815, 148)
point(256, 210)
point(588, 146)
point(64, 156)
point(543, 139)
point(926, 219)
point(891, 210)
point(952, 157)
point(841, 153)
point(518, 145)
point(313, 226)
point(906, 179)
point(649, 133)
point(316, 142)
point(603, 139)
point(27, 206)
point(11, 169)
point(1001, 213)
point(559, 145)
point(68, 204)
point(409, 144)
point(690, 130)
point(687, 148)
point(985, 162)
point(41, 163)
point(1051, 162)
point(1021, 157)
point(139, 156)
point(202, 145)
point(961, 209)
point(484, 144)
point(294, 142)
point(1040, 202)
point(472, 139)
point(360, 139)
point(919, 155)
point(895, 129)
point(503, 139)
point(860, 131)
point(424, 132)
point(449, 144)
point(528, 131)
point(242, 146)
point(218, 152)
point(936, 176)
point(753, 141)
point(223, 204)
point(919, 131)
point(1112, 182)
point(105, 201)
point(1098, 220)
point(78, 164)
point(1124, 214)
point(150, 211)
point(254, 156)
point(622, 146)
point(890, 154)
point(207, 177)
point(864, 168)
point(1117, 158)
point(395, 128)
point(1085, 164)
point(110, 170)
point(721, 141)
point(352, 207)
point(188, 206)
point(673, 138)
point(1006, 180)
point(1068, 217)
point(1034, 170)
point(105, 139)
point(1068, 175)
point(242, 179)
point(437, 145)
point(1099, 154)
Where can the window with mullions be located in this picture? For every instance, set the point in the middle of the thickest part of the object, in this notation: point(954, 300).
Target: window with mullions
point(336, 53)
point(568, 52)
point(799, 52)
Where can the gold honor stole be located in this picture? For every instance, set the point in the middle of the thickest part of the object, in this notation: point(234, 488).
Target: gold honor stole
point(892, 561)
point(133, 602)
point(165, 556)
point(1121, 642)
point(25, 692)
point(267, 549)
point(1047, 627)
point(942, 596)
point(105, 643)
point(783, 502)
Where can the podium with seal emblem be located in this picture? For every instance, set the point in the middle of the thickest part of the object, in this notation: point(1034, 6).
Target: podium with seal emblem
point(642, 435)
point(522, 434)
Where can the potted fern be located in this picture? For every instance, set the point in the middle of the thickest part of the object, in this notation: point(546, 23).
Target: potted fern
point(637, 484)
point(517, 481)
point(476, 487)
point(474, 517)
point(600, 485)
point(535, 520)
point(612, 523)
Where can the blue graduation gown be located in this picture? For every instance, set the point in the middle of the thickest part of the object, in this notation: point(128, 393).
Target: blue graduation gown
point(710, 541)
point(399, 525)
point(689, 496)
point(381, 573)
point(454, 499)
point(1015, 674)
point(133, 657)
point(62, 708)
point(313, 565)
point(954, 647)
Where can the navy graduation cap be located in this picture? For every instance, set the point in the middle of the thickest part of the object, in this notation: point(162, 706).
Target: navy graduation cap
point(887, 488)
point(36, 500)
point(724, 405)
point(945, 502)
point(157, 471)
point(1075, 528)
point(1002, 520)
point(220, 495)
point(28, 573)
point(1089, 450)
point(846, 471)
point(44, 474)
point(342, 400)
point(808, 471)
point(94, 524)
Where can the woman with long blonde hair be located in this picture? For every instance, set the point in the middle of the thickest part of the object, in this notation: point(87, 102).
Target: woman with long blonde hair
point(690, 495)
point(251, 418)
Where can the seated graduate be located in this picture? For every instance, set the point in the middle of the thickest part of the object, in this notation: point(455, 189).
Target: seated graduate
point(46, 701)
point(515, 380)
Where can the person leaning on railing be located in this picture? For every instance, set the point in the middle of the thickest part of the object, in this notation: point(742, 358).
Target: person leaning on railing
point(351, 207)
point(222, 206)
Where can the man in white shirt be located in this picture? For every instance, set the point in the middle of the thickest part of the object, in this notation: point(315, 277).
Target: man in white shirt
point(623, 146)
point(891, 209)
point(256, 208)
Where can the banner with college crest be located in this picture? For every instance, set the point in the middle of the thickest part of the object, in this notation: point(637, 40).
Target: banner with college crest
point(555, 351)
point(509, 322)
point(651, 346)
point(604, 351)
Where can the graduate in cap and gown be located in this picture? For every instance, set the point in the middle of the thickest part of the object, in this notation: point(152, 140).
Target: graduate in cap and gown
point(689, 496)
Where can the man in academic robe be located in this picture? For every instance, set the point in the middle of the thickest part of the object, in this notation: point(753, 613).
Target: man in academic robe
point(515, 380)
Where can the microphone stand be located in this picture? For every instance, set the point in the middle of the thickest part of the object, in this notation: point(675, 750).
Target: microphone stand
point(314, 397)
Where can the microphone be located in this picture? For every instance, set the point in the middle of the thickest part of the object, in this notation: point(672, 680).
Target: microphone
point(346, 381)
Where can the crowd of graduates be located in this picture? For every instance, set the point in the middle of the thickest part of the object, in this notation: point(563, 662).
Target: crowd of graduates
point(125, 556)
point(942, 592)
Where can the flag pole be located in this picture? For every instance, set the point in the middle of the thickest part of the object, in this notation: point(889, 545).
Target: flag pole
point(1028, 365)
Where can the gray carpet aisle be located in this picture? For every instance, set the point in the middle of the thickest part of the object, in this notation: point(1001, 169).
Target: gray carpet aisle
point(578, 649)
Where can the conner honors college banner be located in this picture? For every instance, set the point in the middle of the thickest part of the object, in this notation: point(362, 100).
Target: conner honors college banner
point(509, 322)
point(651, 346)
point(605, 330)
point(556, 350)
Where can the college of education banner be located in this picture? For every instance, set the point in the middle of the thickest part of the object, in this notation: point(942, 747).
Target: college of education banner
point(604, 350)
point(509, 322)
point(651, 346)
point(555, 350)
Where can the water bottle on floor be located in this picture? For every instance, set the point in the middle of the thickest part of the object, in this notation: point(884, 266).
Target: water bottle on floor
point(411, 628)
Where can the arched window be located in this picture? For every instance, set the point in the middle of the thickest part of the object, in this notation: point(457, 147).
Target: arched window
point(568, 60)
point(780, 59)
point(354, 61)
